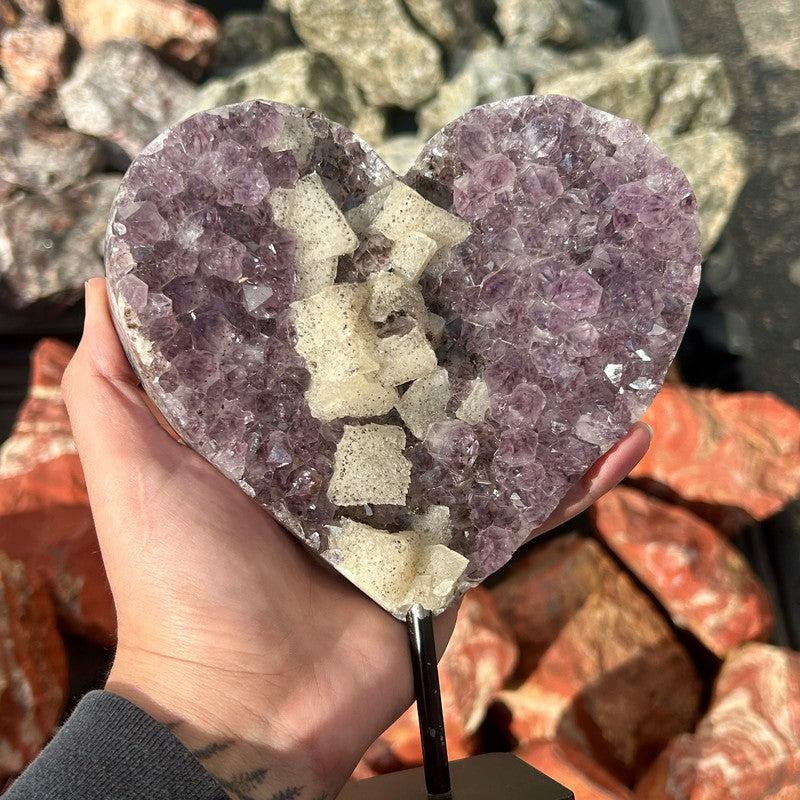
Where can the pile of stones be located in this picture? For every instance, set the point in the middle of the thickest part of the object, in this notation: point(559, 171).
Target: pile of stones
point(86, 84)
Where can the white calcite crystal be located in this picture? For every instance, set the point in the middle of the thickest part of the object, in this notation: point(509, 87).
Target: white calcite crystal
point(393, 294)
point(359, 395)
point(397, 570)
point(434, 525)
point(425, 402)
point(334, 336)
point(320, 229)
point(474, 406)
point(411, 254)
point(405, 211)
point(296, 136)
point(405, 357)
point(369, 466)
point(360, 217)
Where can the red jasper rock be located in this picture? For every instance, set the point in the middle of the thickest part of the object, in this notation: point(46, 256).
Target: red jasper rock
point(569, 766)
point(544, 587)
point(704, 582)
point(615, 683)
point(33, 667)
point(747, 747)
point(739, 450)
point(42, 431)
point(60, 544)
point(45, 519)
point(479, 658)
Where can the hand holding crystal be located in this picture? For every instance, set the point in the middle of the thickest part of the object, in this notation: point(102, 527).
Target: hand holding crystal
point(264, 660)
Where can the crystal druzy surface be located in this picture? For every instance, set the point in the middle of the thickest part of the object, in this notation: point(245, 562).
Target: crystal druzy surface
point(409, 373)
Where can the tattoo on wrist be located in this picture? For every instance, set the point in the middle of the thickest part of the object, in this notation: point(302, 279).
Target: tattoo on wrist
point(245, 784)
point(233, 773)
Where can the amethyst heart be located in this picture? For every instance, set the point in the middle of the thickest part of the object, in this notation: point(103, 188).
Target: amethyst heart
point(409, 373)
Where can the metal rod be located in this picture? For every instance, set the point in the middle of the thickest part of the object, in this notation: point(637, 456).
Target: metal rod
point(429, 703)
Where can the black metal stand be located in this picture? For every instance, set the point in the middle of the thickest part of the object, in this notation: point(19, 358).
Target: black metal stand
point(429, 702)
point(486, 777)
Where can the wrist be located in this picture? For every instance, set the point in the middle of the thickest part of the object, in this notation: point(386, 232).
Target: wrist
point(235, 725)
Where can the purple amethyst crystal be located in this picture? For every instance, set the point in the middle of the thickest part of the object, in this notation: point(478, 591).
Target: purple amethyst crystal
point(408, 373)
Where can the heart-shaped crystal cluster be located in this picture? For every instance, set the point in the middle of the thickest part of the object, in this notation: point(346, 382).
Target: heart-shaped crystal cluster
point(409, 373)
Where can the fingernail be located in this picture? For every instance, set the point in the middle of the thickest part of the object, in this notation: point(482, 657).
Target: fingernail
point(87, 301)
point(648, 428)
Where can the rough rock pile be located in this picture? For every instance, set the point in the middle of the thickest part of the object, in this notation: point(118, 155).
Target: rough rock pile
point(88, 83)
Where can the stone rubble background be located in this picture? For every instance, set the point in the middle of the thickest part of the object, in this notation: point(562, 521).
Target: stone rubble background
point(624, 656)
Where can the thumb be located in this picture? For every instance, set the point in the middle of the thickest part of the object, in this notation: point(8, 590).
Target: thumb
point(115, 429)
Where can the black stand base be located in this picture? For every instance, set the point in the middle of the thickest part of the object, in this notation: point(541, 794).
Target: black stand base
point(494, 776)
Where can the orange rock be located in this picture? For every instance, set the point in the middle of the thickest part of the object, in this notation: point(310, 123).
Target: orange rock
point(543, 588)
point(39, 465)
point(703, 582)
point(479, 658)
point(184, 33)
point(378, 760)
point(33, 668)
point(615, 683)
point(45, 518)
point(34, 57)
point(570, 767)
point(737, 450)
point(747, 747)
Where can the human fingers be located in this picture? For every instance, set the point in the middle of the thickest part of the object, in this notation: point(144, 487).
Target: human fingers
point(109, 412)
point(117, 435)
point(602, 476)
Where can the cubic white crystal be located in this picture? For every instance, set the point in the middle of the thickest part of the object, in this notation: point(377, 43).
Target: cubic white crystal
point(474, 406)
point(396, 570)
point(320, 229)
point(425, 402)
point(333, 334)
point(405, 211)
point(369, 466)
point(405, 358)
point(411, 254)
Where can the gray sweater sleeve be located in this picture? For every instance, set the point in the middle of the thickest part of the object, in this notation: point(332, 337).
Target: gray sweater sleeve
point(109, 749)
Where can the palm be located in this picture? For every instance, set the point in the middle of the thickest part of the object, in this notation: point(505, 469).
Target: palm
point(235, 584)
